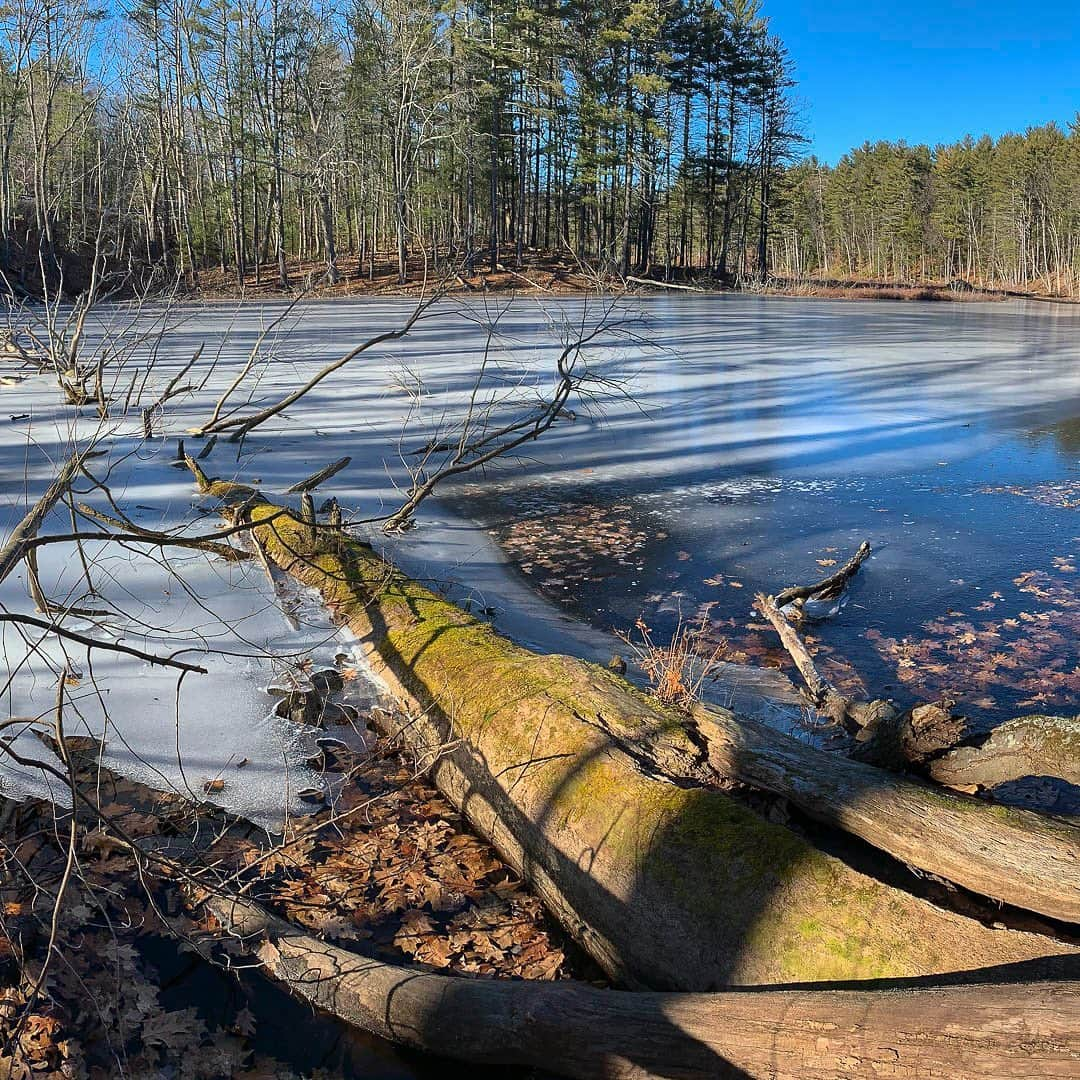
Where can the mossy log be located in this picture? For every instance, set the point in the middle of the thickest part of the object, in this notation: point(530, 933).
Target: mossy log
point(668, 885)
point(960, 1032)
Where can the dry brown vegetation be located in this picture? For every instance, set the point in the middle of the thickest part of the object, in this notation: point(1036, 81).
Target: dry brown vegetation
point(539, 273)
point(856, 289)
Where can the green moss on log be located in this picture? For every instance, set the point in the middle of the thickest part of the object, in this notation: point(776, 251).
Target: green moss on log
point(694, 889)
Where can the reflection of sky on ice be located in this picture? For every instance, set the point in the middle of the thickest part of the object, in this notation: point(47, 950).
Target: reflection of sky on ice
point(757, 430)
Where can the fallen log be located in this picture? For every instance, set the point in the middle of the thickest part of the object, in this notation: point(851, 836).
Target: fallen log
point(654, 284)
point(665, 884)
point(1013, 856)
point(574, 1030)
point(1027, 746)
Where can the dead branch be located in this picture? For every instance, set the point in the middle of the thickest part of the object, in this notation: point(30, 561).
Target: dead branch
point(245, 424)
point(652, 283)
point(494, 442)
point(822, 695)
point(136, 532)
point(252, 356)
point(828, 588)
point(173, 389)
point(17, 543)
point(575, 1030)
point(320, 477)
point(94, 643)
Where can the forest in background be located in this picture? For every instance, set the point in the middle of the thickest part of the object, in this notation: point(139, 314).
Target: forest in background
point(187, 135)
point(999, 213)
point(301, 141)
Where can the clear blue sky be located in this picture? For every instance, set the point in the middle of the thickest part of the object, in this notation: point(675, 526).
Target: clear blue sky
point(929, 72)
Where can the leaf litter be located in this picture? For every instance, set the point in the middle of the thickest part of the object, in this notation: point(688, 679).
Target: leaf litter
point(388, 869)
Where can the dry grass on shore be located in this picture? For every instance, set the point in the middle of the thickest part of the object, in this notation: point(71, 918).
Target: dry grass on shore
point(553, 274)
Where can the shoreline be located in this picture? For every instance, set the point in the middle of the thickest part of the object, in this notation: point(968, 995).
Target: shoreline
point(556, 277)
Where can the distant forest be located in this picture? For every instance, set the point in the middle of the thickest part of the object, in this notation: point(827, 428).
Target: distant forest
point(190, 134)
point(1002, 213)
point(172, 139)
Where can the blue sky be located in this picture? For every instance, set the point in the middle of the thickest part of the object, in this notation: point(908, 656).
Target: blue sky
point(929, 72)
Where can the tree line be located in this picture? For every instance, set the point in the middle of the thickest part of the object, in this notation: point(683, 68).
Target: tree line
point(1001, 213)
point(182, 136)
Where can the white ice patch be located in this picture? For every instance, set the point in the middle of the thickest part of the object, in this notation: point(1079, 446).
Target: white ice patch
point(173, 733)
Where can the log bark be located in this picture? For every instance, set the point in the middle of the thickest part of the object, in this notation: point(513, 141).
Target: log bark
point(1027, 746)
point(1014, 856)
point(665, 884)
point(574, 1030)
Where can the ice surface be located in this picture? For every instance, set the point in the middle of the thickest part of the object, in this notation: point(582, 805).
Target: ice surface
point(721, 395)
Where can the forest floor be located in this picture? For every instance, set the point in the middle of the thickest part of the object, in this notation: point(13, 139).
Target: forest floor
point(388, 870)
point(539, 274)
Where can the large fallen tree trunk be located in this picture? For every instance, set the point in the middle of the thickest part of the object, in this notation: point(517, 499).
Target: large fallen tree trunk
point(962, 1032)
point(665, 884)
point(1014, 856)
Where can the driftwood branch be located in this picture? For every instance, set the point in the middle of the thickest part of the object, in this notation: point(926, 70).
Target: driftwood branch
point(854, 716)
point(830, 587)
point(886, 736)
point(313, 481)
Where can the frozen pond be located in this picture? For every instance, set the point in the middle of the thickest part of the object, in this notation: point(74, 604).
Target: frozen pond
point(780, 434)
point(737, 443)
